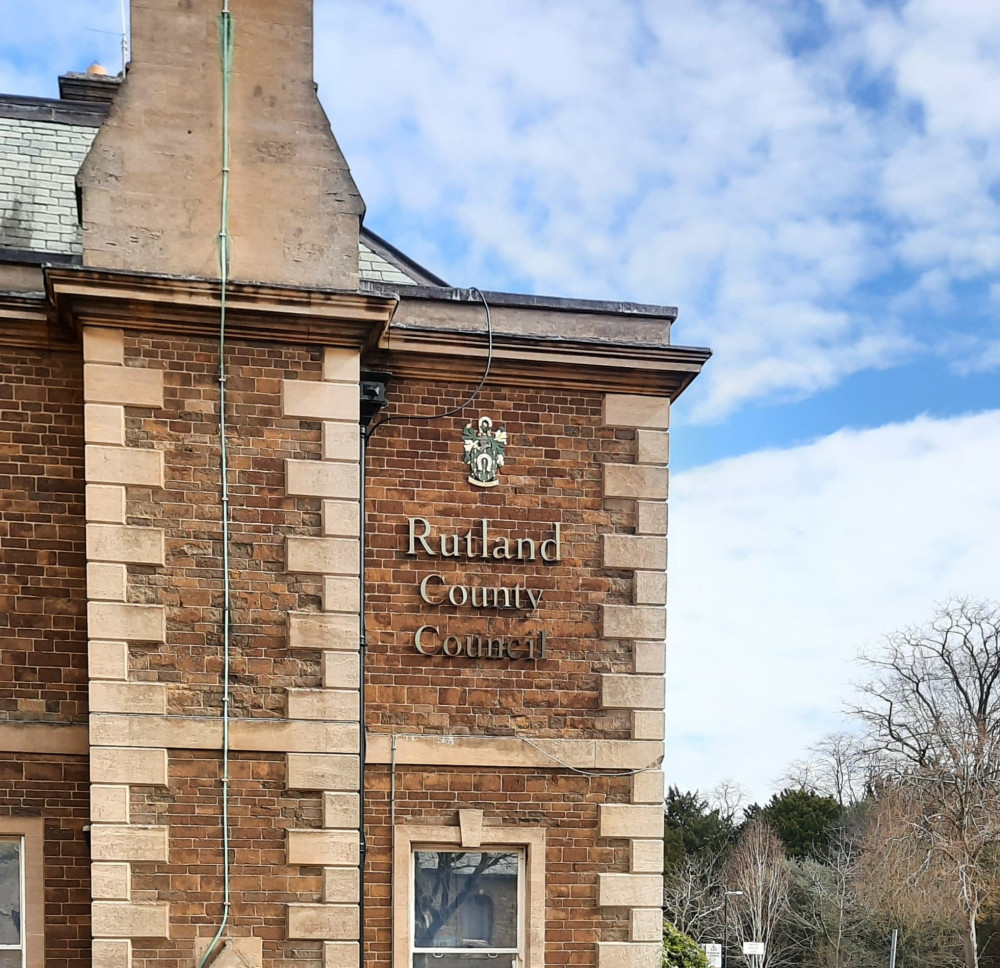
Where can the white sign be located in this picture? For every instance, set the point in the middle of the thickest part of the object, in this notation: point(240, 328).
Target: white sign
point(753, 947)
point(713, 952)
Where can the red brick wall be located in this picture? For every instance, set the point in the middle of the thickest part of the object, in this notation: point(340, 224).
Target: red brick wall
point(553, 474)
point(58, 788)
point(43, 645)
point(262, 882)
point(187, 508)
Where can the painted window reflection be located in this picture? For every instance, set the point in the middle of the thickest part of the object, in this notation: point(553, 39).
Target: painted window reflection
point(466, 909)
point(11, 903)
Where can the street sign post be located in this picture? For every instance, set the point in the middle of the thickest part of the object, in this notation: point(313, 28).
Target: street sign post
point(753, 947)
point(713, 954)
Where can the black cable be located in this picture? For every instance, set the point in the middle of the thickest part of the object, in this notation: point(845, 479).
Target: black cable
point(475, 393)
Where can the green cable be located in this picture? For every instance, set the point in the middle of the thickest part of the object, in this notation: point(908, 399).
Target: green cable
point(226, 43)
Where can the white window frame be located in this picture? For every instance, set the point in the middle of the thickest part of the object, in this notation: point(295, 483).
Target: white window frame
point(529, 843)
point(30, 832)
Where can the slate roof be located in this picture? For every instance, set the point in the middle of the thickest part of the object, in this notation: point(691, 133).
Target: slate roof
point(43, 143)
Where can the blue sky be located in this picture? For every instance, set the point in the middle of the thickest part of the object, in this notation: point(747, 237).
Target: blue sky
point(815, 184)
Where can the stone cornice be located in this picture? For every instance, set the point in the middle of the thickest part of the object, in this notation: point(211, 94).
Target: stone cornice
point(424, 353)
point(25, 322)
point(186, 306)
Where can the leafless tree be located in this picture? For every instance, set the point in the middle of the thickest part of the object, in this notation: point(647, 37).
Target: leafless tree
point(758, 868)
point(728, 798)
point(932, 709)
point(692, 898)
point(840, 765)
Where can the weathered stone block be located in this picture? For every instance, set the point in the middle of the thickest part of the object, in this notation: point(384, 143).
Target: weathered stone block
point(341, 365)
point(119, 919)
point(341, 594)
point(341, 885)
point(652, 447)
point(645, 924)
point(341, 954)
point(123, 465)
point(633, 622)
point(341, 670)
point(102, 345)
point(646, 857)
point(106, 582)
point(104, 424)
point(650, 658)
point(131, 545)
point(342, 519)
point(111, 954)
point(110, 882)
point(627, 820)
point(126, 623)
point(629, 890)
point(321, 478)
point(321, 848)
point(132, 765)
point(650, 588)
point(634, 551)
point(129, 386)
point(647, 787)
point(341, 809)
point(106, 502)
point(341, 441)
point(323, 630)
point(312, 400)
point(128, 842)
point(639, 481)
point(318, 556)
point(336, 922)
point(334, 704)
point(107, 660)
point(128, 697)
point(109, 804)
point(635, 410)
point(631, 692)
point(321, 771)
point(650, 517)
point(648, 724)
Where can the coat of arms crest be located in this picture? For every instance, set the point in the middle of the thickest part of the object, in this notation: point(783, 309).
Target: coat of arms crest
point(484, 450)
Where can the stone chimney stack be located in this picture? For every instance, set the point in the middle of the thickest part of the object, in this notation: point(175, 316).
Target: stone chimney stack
point(151, 185)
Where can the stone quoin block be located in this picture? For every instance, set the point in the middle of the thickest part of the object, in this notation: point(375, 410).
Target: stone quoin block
point(341, 594)
point(634, 551)
point(341, 954)
point(652, 447)
point(635, 410)
point(104, 424)
point(323, 630)
point(650, 588)
point(629, 954)
point(341, 441)
point(106, 582)
point(341, 670)
point(341, 885)
point(131, 545)
point(118, 919)
point(318, 556)
point(106, 502)
point(650, 517)
point(645, 924)
point(648, 724)
point(123, 465)
point(102, 345)
point(636, 481)
point(336, 704)
point(341, 809)
point(626, 820)
point(128, 842)
point(107, 660)
point(341, 365)
point(111, 954)
point(631, 692)
point(633, 622)
point(126, 623)
point(321, 478)
point(312, 400)
point(322, 848)
point(132, 765)
point(335, 922)
point(321, 771)
point(342, 519)
point(645, 857)
point(629, 890)
point(650, 658)
point(110, 882)
point(648, 787)
point(109, 804)
point(128, 386)
point(148, 698)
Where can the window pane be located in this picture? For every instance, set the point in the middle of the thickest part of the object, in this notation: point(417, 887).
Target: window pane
point(463, 960)
point(465, 899)
point(10, 893)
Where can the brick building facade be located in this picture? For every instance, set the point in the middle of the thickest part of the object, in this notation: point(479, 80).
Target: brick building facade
point(427, 728)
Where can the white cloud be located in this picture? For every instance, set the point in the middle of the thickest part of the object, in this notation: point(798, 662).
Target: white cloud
point(784, 563)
